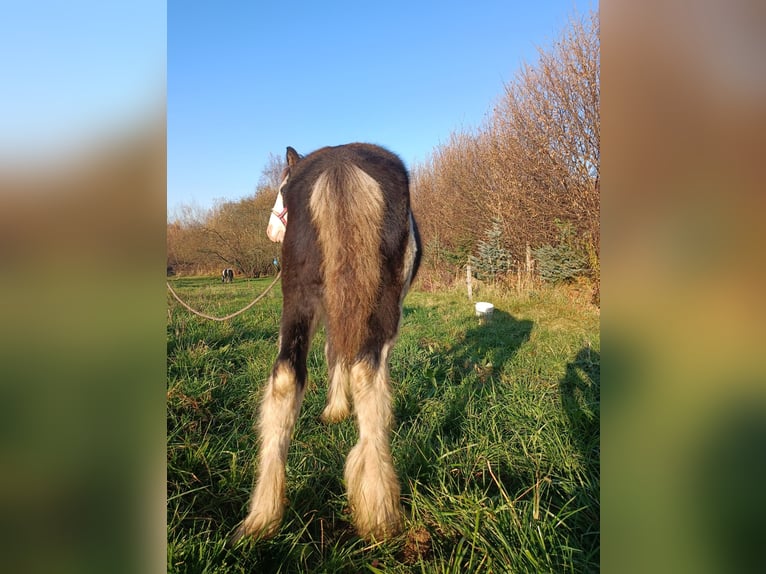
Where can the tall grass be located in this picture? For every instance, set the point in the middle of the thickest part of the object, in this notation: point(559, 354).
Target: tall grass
point(496, 440)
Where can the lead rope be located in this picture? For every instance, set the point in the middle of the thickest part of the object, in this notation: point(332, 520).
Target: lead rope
point(261, 296)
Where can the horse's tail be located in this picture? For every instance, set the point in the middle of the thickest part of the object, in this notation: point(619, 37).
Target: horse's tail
point(347, 207)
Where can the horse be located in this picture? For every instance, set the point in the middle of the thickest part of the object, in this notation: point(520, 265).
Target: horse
point(227, 275)
point(349, 256)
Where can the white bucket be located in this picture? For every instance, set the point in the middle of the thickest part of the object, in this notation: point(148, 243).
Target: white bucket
point(484, 310)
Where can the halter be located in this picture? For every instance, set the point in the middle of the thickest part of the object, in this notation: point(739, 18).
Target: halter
point(281, 215)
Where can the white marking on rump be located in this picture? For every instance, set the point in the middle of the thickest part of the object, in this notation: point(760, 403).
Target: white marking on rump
point(276, 228)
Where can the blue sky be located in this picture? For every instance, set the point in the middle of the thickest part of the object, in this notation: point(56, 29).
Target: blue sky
point(246, 79)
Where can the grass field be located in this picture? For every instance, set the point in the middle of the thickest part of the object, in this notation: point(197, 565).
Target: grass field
point(496, 438)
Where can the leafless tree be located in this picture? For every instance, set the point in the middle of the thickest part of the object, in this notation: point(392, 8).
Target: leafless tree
point(535, 160)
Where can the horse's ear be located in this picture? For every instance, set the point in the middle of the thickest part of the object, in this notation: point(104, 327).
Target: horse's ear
point(292, 156)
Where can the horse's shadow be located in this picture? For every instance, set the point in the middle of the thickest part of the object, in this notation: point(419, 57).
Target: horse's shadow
point(580, 390)
point(479, 360)
point(466, 372)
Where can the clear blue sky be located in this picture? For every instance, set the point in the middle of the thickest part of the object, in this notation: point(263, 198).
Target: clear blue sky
point(246, 79)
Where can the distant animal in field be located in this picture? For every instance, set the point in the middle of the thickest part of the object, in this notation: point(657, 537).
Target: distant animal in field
point(227, 275)
point(349, 255)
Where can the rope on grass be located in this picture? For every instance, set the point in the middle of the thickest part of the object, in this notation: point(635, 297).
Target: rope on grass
point(204, 316)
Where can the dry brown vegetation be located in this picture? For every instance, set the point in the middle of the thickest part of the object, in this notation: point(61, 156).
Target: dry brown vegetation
point(231, 234)
point(533, 163)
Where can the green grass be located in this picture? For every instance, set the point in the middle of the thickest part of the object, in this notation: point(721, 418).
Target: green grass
point(496, 439)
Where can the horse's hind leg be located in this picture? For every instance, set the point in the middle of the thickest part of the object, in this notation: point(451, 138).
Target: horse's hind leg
point(338, 407)
point(279, 410)
point(373, 489)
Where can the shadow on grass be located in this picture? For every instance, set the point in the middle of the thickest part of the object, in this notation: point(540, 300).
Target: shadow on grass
point(580, 390)
point(479, 360)
point(464, 374)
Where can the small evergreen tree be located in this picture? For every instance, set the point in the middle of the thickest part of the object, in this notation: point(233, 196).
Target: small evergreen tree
point(493, 259)
point(564, 261)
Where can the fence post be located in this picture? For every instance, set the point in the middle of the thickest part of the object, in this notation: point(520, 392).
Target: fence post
point(529, 262)
point(468, 281)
